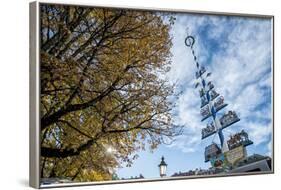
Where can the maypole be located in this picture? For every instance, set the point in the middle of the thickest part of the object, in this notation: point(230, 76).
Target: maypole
point(211, 103)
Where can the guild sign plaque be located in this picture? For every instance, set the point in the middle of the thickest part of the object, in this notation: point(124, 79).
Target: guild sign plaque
point(235, 154)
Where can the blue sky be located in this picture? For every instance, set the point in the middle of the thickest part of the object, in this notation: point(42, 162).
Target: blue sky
point(238, 52)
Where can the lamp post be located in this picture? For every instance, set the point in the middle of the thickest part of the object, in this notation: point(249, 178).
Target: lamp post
point(162, 167)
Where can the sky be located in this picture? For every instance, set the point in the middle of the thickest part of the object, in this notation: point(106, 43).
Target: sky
point(238, 53)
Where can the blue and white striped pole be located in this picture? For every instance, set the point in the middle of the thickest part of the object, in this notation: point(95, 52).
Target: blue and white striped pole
point(189, 42)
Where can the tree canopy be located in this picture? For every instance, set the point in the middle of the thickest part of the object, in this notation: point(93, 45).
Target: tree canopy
point(103, 94)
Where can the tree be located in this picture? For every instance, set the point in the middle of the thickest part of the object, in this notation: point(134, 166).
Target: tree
point(102, 88)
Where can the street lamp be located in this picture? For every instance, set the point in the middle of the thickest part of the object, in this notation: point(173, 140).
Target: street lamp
point(162, 167)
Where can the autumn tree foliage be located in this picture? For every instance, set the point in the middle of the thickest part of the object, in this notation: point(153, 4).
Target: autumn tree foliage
point(103, 94)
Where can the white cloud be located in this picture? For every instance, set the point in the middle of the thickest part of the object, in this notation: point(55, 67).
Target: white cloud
point(269, 148)
point(260, 133)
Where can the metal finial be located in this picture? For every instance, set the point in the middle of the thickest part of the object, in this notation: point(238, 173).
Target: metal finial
point(162, 163)
point(189, 41)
